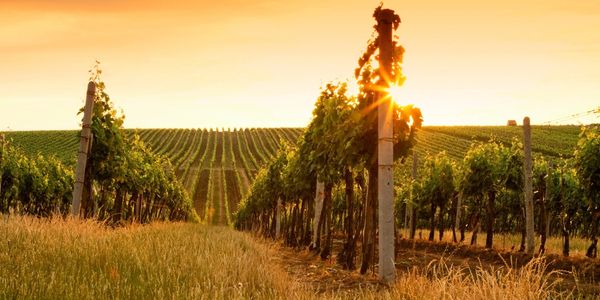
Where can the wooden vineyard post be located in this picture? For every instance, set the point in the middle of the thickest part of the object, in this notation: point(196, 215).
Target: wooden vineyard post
point(278, 218)
point(84, 143)
point(319, 195)
point(409, 204)
point(457, 220)
point(544, 215)
point(546, 196)
point(528, 174)
point(413, 214)
point(385, 151)
point(1, 157)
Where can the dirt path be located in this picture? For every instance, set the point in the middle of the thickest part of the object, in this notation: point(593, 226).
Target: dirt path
point(200, 196)
point(217, 200)
point(321, 276)
point(223, 199)
point(317, 275)
point(245, 181)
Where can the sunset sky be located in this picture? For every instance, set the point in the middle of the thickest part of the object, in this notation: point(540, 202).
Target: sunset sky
point(242, 63)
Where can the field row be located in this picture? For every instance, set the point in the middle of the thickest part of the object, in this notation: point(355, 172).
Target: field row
point(217, 167)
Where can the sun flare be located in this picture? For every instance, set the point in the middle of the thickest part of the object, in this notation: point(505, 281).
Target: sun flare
point(395, 93)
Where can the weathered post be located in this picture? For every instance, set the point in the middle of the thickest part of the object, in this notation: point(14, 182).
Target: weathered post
point(548, 187)
point(385, 150)
point(278, 218)
point(528, 174)
point(84, 143)
point(458, 211)
point(409, 204)
point(319, 195)
point(544, 216)
point(1, 157)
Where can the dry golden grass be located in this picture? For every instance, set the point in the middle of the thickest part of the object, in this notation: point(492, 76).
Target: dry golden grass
point(439, 281)
point(508, 241)
point(58, 259)
point(82, 259)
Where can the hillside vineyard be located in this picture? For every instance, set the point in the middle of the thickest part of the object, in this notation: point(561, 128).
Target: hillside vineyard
point(217, 167)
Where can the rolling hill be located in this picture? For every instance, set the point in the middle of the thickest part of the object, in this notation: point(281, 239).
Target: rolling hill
point(218, 166)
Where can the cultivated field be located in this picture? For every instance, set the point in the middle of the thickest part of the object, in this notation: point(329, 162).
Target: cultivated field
point(217, 167)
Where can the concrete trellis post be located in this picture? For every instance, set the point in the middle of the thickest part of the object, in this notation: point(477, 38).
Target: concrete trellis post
point(84, 143)
point(528, 174)
point(385, 151)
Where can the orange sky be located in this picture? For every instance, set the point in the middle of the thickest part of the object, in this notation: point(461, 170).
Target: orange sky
point(235, 63)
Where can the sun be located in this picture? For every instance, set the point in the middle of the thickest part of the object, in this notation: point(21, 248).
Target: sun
point(395, 93)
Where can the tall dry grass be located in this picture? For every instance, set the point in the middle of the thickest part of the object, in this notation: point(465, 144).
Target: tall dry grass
point(442, 281)
point(508, 241)
point(72, 259)
point(58, 259)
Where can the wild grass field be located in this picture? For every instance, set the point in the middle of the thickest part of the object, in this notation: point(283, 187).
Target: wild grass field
point(56, 259)
point(73, 259)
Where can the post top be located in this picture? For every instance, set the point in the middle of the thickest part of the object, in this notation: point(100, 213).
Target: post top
point(91, 88)
point(387, 16)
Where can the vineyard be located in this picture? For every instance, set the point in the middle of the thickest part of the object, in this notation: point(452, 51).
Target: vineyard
point(344, 187)
point(364, 201)
point(185, 144)
point(217, 167)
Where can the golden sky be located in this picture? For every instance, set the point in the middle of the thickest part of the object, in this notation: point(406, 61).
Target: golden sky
point(235, 63)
